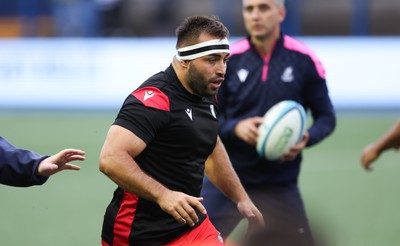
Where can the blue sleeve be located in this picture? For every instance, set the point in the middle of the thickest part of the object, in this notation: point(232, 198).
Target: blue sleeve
point(18, 166)
point(317, 100)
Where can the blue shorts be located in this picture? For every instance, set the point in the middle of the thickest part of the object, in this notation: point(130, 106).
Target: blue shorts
point(281, 206)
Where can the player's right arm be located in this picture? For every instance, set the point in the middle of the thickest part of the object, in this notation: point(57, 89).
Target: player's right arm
point(117, 162)
point(372, 151)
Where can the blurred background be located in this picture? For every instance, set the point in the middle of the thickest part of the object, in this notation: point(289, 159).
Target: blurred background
point(95, 47)
point(67, 65)
point(144, 18)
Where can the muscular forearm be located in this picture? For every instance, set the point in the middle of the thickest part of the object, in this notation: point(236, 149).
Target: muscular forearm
point(126, 173)
point(220, 171)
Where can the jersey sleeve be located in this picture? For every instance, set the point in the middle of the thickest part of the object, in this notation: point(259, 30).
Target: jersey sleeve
point(316, 96)
point(18, 166)
point(319, 102)
point(144, 113)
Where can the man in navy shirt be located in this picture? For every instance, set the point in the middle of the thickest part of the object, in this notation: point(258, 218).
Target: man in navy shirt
point(21, 167)
point(265, 68)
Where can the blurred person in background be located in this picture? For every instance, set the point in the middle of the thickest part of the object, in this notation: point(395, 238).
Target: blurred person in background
point(34, 16)
point(111, 18)
point(76, 18)
point(265, 68)
point(162, 143)
point(390, 140)
point(21, 167)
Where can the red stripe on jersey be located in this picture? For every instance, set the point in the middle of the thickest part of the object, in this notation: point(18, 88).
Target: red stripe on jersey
point(152, 97)
point(124, 219)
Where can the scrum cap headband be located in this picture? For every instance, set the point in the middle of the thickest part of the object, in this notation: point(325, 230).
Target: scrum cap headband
point(192, 52)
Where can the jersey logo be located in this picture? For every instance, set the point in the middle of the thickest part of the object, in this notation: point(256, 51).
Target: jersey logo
point(213, 111)
point(220, 239)
point(188, 111)
point(148, 94)
point(287, 75)
point(242, 74)
point(152, 97)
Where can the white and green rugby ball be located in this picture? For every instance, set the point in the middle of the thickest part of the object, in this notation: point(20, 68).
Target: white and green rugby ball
point(283, 126)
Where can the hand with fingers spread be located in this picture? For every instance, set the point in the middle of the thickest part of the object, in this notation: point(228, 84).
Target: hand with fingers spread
point(60, 161)
point(181, 206)
point(22, 167)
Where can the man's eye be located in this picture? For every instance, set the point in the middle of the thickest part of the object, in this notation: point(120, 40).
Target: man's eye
point(248, 9)
point(264, 8)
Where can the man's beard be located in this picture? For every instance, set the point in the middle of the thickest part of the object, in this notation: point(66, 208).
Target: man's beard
point(198, 83)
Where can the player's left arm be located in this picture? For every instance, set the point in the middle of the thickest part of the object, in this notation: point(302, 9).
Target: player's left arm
point(318, 102)
point(220, 171)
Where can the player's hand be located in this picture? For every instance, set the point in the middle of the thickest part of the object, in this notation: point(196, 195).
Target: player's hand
point(296, 149)
point(247, 129)
point(252, 214)
point(181, 206)
point(59, 162)
point(396, 144)
point(368, 156)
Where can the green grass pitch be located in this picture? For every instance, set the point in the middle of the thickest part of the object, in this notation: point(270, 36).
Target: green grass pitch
point(346, 205)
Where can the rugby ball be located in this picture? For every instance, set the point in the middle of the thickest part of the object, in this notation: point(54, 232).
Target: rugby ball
point(283, 126)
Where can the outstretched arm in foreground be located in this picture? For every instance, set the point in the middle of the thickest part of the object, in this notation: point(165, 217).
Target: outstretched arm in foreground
point(21, 167)
point(60, 162)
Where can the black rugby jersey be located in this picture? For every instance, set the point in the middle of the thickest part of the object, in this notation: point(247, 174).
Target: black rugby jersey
point(180, 130)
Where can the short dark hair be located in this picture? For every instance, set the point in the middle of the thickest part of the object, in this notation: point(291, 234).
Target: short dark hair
point(192, 27)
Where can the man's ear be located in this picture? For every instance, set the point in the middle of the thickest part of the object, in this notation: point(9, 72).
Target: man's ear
point(184, 64)
point(282, 14)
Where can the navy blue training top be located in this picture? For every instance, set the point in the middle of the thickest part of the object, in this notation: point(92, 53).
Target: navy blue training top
point(18, 166)
point(254, 84)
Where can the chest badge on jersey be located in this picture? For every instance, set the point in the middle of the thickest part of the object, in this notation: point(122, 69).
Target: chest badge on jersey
point(287, 75)
point(213, 111)
point(242, 74)
point(188, 111)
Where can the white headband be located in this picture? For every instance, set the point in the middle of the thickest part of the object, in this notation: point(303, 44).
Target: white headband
point(203, 49)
